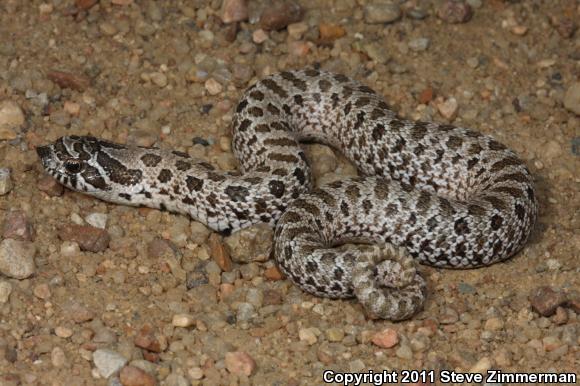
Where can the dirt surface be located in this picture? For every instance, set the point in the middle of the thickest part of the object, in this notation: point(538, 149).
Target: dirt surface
point(147, 300)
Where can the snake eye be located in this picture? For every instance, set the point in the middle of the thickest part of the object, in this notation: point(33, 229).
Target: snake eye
point(73, 166)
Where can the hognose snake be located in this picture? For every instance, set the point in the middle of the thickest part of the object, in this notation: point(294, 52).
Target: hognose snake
point(446, 196)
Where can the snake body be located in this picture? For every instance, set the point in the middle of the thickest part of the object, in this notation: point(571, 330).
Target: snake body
point(443, 195)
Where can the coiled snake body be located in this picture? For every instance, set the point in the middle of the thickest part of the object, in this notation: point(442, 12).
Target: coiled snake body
point(444, 195)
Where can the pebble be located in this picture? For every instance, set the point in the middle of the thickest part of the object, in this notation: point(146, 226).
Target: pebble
point(158, 78)
point(17, 226)
point(308, 335)
point(98, 220)
point(482, 366)
point(419, 44)
point(404, 352)
point(299, 48)
point(251, 244)
point(5, 291)
point(42, 291)
point(234, 11)
point(50, 186)
point(219, 253)
point(297, 30)
point(448, 108)
point(245, 312)
point(11, 119)
point(566, 26)
point(17, 258)
point(63, 332)
point(273, 273)
point(572, 98)
point(69, 249)
point(330, 32)
point(334, 334)
point(386, 338)
point(68, 80)
point(87, 237)
point(183, 320)
point(58, 357)
point(5, 181)
point(195, 373)
point(134, 376)
point(108, 362)
point(148, 340)
point(454, 12)
point(449, 316)
point(280, 15)
point(378, 12)
point(259, 36)
point(213, 87)
point(78, 313)
point(494, 324)
point(545, 300)
point(240, 363)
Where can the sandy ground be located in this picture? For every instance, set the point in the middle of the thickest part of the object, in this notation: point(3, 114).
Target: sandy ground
point(155, 302)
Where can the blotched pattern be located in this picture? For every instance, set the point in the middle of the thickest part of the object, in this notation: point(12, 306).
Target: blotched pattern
point(446, 196)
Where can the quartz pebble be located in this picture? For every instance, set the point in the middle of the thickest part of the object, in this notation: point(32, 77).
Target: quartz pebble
point(108, 362)
point(240, 363)
point(183, 320)
point(5, 181)
point(98, 220)
point(213, 87)
point(17, 258)
point(11, 119)
point(448, 108)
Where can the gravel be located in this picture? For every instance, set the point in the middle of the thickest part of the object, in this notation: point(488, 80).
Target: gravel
point(186, 306)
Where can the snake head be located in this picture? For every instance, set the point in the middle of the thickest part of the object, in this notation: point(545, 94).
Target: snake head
point(72, 161)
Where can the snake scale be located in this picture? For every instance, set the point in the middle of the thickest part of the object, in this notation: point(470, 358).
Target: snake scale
point(442, 195)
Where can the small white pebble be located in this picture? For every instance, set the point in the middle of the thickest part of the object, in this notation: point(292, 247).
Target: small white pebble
point(69, 249)
point(77, 219)
point(183, 320)
point(98, 220)
point(213, 87)
point(5, 181)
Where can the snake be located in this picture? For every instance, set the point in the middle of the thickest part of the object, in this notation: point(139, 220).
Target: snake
point(426, 192)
